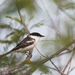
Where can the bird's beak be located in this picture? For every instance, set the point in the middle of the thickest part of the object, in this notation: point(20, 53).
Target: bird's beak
point(42, 36)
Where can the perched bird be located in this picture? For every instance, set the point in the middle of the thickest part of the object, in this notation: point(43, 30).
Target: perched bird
point(26, 44)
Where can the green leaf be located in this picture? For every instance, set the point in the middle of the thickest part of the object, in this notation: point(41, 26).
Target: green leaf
point(16, 19)
point(44, 69)
point(5, 26)
point(31, 18)
point(18, 33)
point(10, 6)
point(60, 1)
point(4, 61)
point(29, 5)
point(5, 41)
point(69, 5)
point(38, 24)
point(12, 33)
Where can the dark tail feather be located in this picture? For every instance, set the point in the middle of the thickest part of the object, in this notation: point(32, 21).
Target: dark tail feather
point(5, 54)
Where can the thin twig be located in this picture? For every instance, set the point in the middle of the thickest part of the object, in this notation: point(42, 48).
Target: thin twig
point(48, 40)
point(53, 24)
point(53, 55)
point(52, 68)
point(57, 68)
point(69, 51)
point(72, 69)
point(18, 71)
point(68, 62)
point(51, 62)
point(18, 66)
point(59, 6)
point(40, 52)
point(14, 68)
point(30, 52)
point(21, 18)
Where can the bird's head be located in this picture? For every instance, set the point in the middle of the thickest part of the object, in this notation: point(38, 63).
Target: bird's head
point(36, 35)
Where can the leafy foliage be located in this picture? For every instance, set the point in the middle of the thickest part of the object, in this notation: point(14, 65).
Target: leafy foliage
point(44, 69)
point(37, 25)
point(69, 5)
point(60, 1)
point(16, 34)
point(5, 26)
point(5, 41)
point(16, 19)
point(10, 6)
point(29, 5)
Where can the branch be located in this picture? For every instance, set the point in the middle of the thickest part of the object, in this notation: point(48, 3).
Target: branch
point(18, 71)
point(30, 52)
point(40, 52)
point(59, 6)
point(48, 40)
point(21, 18)
point(68, 62)
point(69, 51)
point(52, 56)
point(51, 62)
point(52, 22)
point(23, 24)
point(59, 51)
point(72, 69)
point(57, 68)
point(20, 65)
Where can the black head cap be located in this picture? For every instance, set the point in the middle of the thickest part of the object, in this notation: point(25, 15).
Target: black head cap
point(36, 34)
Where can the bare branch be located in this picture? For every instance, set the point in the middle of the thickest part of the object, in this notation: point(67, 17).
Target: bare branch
point(53, 24)
point(52, 63)
point(21, 18)
point(68, 62)
point(14, 68)
point(30, 52)
point(18, 71)
point(52, 68)
point(57, 68)
point(52, 56)
point(69, 51)
point(20, 65)
point(48, 40)
point(59, 6)
point(72, 69)
point(40, 52)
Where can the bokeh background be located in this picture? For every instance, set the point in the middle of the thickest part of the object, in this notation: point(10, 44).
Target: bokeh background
point(55, 19)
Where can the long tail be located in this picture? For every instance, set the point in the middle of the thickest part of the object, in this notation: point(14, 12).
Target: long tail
point(5, 54)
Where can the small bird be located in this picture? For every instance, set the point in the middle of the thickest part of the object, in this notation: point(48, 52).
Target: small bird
point(26, 44)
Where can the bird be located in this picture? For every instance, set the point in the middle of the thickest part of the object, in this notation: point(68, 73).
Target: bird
point(26, 44)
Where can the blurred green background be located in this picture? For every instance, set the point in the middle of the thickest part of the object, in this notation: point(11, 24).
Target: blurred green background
point(53, 18)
